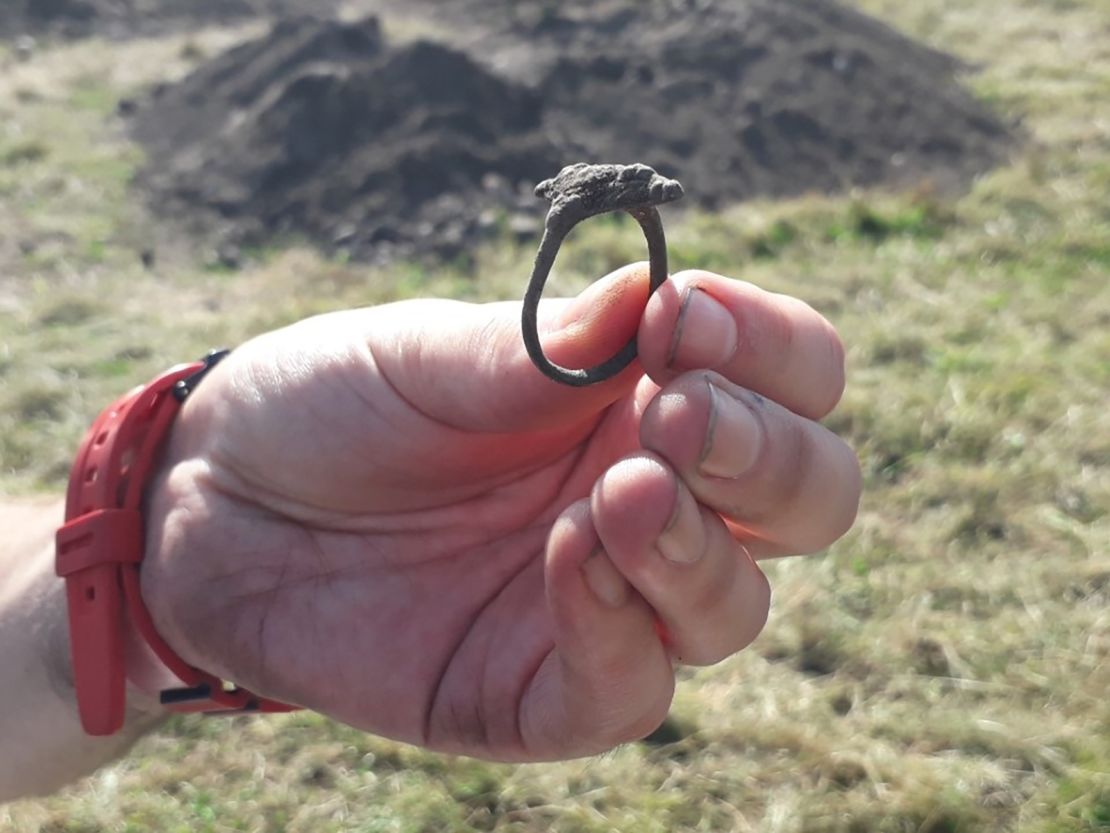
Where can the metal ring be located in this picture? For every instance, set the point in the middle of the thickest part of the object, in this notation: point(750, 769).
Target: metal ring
point(578, 193)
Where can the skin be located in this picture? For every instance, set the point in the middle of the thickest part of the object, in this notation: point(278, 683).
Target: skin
point(389, 516)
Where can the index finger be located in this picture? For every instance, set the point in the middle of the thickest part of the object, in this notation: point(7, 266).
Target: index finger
point(773, 344)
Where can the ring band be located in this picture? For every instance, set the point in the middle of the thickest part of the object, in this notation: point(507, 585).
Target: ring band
point(610, 193)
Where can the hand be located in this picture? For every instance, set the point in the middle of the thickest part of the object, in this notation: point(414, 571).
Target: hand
point(390, 516)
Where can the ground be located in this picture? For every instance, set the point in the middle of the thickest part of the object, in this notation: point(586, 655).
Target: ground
point(943, 668)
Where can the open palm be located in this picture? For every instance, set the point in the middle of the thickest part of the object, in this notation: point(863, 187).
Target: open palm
point(390, 516)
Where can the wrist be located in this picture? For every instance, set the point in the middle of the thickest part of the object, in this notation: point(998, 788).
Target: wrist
point(42, 738)
point(100, 551)
point(31, 598)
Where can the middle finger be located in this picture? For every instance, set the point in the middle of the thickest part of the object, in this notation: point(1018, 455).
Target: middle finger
point(770, 343)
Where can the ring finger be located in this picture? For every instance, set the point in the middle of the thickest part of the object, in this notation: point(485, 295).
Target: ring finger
point(707, 591)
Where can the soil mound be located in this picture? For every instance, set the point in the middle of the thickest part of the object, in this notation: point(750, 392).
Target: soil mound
point(323, 129)
point(766, 98)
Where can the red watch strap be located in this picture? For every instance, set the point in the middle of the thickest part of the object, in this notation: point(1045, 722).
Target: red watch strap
point(99, 551)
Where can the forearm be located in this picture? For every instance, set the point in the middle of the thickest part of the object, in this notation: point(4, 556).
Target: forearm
point(43, 744)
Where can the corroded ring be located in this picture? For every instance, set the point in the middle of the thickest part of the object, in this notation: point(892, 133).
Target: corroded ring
point(578, 193)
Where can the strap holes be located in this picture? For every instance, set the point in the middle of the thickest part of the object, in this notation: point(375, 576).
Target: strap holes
point(102, 438)
point(90, 475)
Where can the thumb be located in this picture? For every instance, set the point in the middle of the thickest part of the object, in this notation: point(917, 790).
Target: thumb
point(465, 365)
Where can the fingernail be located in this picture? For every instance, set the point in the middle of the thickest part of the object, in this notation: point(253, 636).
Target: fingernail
point(605, 580)
point(705, 335)
point(734, 437)
point(683, 541)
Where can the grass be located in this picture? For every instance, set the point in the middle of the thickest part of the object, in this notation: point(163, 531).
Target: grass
point(943, 669)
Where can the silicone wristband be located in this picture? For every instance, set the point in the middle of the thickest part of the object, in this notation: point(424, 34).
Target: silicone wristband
point(99, 552)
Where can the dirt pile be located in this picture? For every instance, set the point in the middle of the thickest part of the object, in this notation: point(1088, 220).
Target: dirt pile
point(766, 98)
point(324, 129)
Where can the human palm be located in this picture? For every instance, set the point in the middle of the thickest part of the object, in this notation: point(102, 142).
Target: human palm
point(389, 516)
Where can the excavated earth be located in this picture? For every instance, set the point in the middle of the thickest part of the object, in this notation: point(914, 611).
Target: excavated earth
point(328, 131)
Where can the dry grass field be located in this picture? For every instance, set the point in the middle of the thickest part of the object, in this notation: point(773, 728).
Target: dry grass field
point(944, 668)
